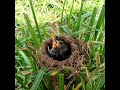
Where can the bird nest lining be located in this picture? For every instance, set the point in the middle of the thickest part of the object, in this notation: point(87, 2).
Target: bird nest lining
point(77, 52)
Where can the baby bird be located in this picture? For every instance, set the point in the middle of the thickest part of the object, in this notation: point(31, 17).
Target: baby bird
point(59, 48)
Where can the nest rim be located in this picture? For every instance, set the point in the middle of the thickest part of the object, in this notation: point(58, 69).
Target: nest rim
point(51, 63)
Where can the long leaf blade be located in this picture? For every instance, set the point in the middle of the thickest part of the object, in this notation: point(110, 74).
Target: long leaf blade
point(79, 18)
point(34, 16)
point(100, 21)
point(92, 20)
point(38, 79)
point(70, 15)
point(61, 81)
point(32, 62)
point(62, 12)
point(25, 58)
point(32, 32)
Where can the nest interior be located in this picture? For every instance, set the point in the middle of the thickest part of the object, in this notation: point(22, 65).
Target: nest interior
point(76, 53)
point(65, 54)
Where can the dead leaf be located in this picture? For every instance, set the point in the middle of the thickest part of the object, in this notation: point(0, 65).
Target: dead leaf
point(54, 73)
point(26, 72)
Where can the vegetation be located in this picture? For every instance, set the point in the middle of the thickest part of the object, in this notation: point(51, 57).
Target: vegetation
point(35, 20)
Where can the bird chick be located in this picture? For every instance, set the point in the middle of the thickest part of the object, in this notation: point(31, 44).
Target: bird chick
point(54, 52)
point(59, 48)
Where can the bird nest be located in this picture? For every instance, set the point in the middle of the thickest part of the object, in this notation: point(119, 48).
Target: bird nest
point(78, 53)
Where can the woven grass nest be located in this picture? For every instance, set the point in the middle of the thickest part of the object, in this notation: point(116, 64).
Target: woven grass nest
point(78, 52)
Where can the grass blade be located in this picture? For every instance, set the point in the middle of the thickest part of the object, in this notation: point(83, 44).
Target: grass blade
point(47, 79)
point(38, 79)
point(83, 83)
point(21, 58)
point(91, 22)
point(41, 86)
point(61, 81)
point(32, 62)
point(17, 42)
point(45, 33)
point(25, 58)
point(62, 11)
point(103, 53)
point(70, 15)
point(65, 30)
point(79, 18)
point(30, 29)
point(86, 15)
point(89, 84)
point(98, 42)
point(19, 80)
point(99, 83)
point(100, 21)
point(97, 57)
point(101, 35)
point(78, 80)
point(77, 33)
point(34, 16)
point(78, 86)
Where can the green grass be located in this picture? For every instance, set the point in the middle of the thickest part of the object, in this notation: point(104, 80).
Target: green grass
point(34, 22)
point(38, 79)
point(61, 81)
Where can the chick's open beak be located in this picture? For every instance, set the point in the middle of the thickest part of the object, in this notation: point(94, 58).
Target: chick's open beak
point(53, 36)
point(55, 44)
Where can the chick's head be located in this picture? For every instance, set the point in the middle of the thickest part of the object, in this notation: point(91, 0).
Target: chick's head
point(56, 44)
